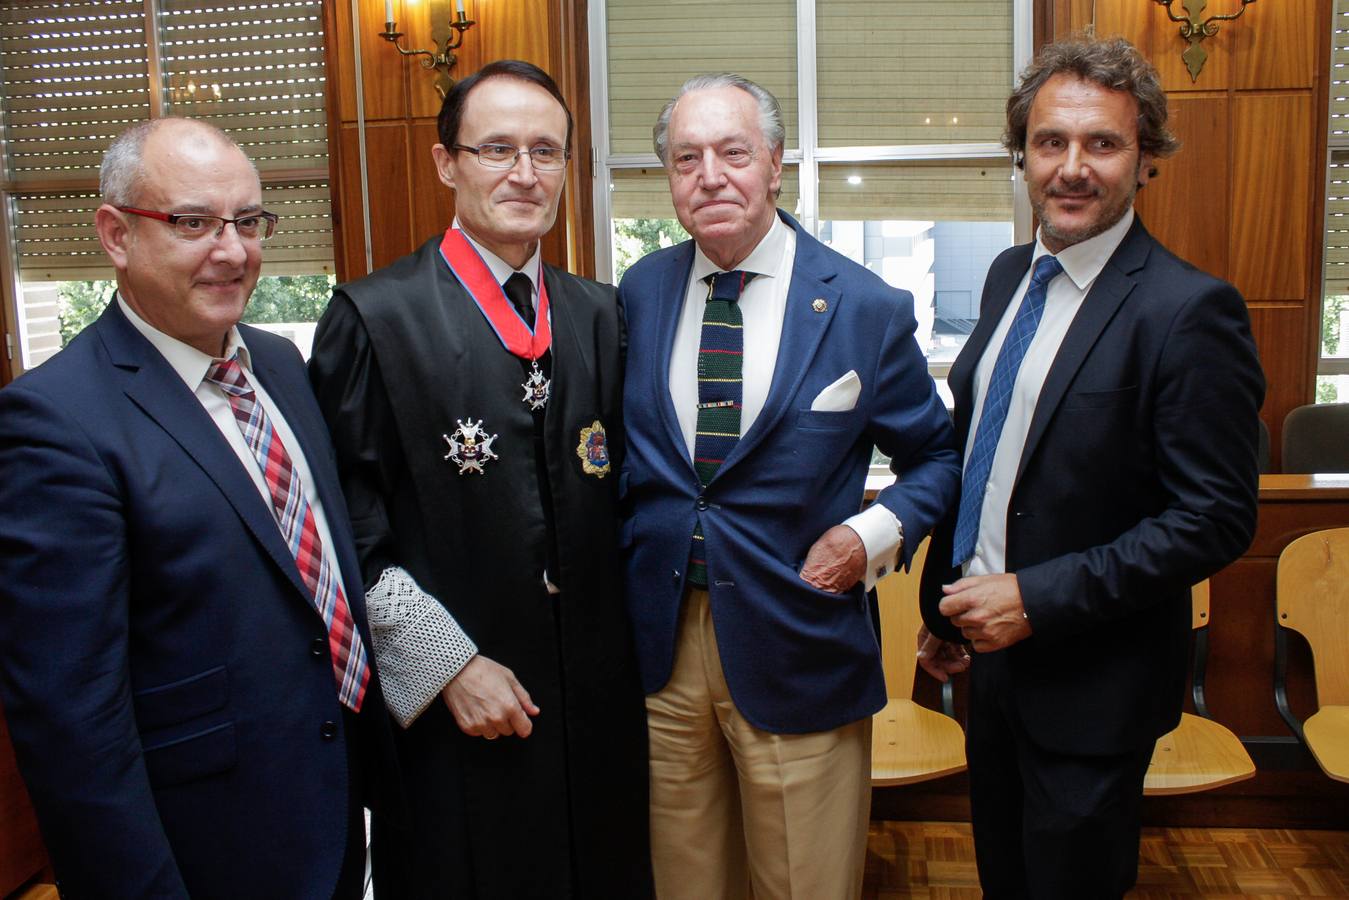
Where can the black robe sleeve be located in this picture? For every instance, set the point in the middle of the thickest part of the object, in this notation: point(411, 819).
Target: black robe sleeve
point(350, 391)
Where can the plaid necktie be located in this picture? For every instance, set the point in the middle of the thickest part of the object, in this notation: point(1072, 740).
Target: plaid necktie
point(720, 365)
point(996, 404)
point(300, 531)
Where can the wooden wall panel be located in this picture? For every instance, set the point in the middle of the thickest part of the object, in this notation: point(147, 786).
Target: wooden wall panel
point(1275, 48)
point(401, 104)
point(1272, 194)
point(385, 71)
point(388, 181)
point(432, 202)
point(1147, 27)
point(1279, 331)
point(1167, 204)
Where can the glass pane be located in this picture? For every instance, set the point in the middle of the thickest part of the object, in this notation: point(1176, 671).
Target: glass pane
point(910, 72)
point(290, 305)
point(73, 76)
point(1332, 388)
point(1335, 326)
point(644, 218)
point(929, 228)
point(256, 71)
point(657, 45)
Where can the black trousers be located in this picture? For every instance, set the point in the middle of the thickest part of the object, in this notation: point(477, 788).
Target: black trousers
point(1047, 824)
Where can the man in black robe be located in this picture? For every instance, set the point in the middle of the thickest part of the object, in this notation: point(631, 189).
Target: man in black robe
point(473, 395)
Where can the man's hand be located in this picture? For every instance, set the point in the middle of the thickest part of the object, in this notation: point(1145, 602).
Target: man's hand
point(987, 609)
point(836, 561)
point(940, 659)
point(487, 700)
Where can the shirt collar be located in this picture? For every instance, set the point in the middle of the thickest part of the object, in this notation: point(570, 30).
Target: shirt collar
point(1083, 261)
point(763, 259)
point(189, 362)
point(501, 270)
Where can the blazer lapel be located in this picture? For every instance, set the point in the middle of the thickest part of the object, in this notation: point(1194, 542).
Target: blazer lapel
point(1002, 282)
point(152, 384)
point(802, 330)
point(1112, 286)
point(671, 290)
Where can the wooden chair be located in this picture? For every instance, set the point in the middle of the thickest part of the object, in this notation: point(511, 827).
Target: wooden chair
point(1313, 600)
point(1199, 754)
point(909, 742)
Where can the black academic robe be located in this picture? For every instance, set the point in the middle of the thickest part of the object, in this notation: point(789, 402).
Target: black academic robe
point(400, 358)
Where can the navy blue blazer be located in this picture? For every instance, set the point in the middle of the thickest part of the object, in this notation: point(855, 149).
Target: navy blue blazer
point(167, 684)
point(796, 659)
point(1137, 480)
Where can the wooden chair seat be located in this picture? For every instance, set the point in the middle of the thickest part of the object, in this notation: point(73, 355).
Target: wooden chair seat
point(912, 743)
point(1313, 600)
point(1327, 734)
point(909, 742)
point(1198, 755)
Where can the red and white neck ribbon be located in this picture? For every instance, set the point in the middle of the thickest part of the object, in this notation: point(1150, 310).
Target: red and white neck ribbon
point(515, 333)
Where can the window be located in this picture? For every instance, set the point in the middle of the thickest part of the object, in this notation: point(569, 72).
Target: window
point(894, 112)
point(74, 75)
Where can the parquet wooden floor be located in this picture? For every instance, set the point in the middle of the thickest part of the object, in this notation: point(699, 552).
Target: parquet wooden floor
point(936, 860)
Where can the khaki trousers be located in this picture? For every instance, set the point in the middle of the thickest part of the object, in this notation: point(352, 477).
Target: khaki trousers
point(737, 812)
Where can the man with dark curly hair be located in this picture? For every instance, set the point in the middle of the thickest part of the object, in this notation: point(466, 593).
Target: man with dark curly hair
point(1106, 406)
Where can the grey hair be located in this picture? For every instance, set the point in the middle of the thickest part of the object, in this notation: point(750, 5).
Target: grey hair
point(119, 177)
point(770, 111)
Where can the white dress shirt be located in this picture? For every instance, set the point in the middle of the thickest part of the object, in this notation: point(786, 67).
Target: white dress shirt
point(502, 270)
point(763, 307)
point(1082, 263)
point(191, 365)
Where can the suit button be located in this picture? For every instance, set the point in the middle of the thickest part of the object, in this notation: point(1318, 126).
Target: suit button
point(328, 730)
point(318, 646)
point(674, 576)
point(702, 504)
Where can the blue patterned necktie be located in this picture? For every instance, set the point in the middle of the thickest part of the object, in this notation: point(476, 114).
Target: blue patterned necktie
point(720, 372)
point(996, 404)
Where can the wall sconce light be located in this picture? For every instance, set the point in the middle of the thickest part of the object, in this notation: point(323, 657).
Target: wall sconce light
point(1194, 29)
point(443, 61)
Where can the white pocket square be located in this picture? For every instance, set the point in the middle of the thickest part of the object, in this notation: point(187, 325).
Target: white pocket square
point(840, 396)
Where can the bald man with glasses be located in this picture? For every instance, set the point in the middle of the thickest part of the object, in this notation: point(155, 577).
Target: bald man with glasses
point(184, 656)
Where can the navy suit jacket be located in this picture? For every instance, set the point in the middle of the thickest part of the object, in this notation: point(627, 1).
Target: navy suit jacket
point(796, 659)
point(166, 681)
point(1138, 479)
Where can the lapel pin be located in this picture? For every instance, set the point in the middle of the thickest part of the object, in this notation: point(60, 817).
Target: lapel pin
point(819, 304)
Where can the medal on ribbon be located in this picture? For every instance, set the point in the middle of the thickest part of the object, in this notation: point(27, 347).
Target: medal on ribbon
point(516, 335)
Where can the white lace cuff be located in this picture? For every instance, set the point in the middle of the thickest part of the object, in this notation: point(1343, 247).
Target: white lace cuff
point(419, 646)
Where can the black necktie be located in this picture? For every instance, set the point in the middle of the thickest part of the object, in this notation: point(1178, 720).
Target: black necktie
point(520, 291)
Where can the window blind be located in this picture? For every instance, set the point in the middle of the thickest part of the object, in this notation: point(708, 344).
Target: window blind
point(654, 46)
point(254, 70)
point(74, 75)
point(909, 72)
point(977, 190)
point(1337, 178)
